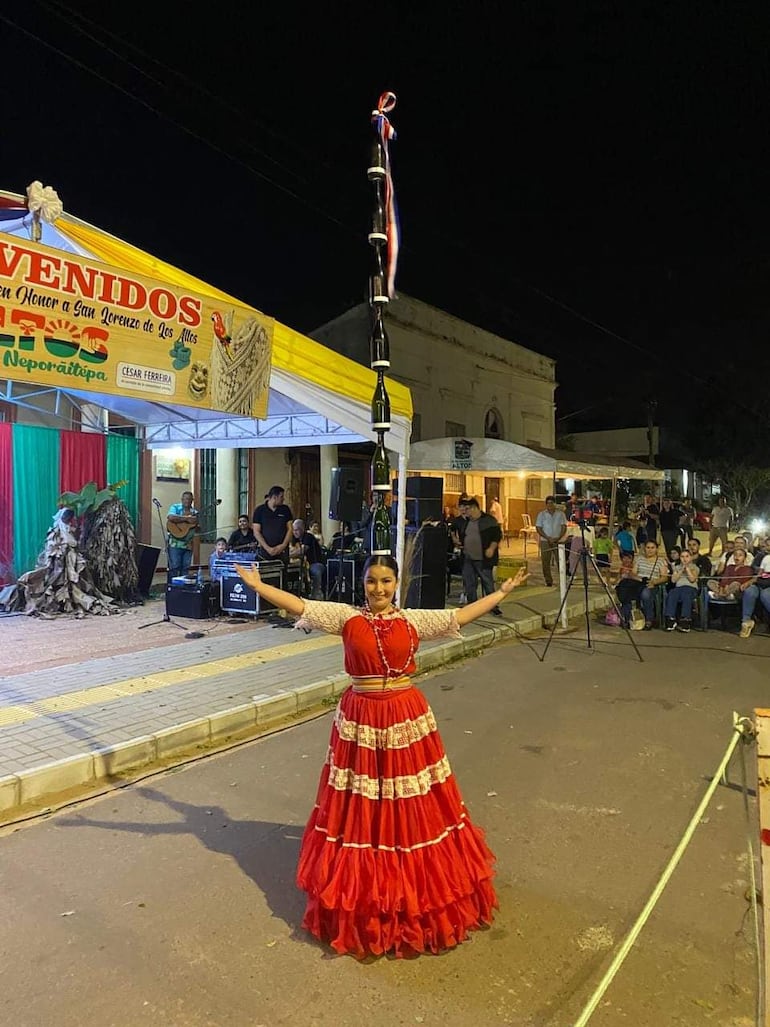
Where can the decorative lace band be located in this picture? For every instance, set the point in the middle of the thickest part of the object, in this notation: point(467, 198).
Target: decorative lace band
point(378, 684)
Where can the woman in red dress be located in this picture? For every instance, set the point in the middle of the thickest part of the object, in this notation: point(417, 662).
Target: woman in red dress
point(390, 859)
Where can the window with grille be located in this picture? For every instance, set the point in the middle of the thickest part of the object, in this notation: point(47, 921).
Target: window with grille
point(454, 483)
point(534, 488)
point(206, 500)
point(243, 483)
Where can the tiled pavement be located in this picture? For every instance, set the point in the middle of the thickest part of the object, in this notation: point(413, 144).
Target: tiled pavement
point(76, 725)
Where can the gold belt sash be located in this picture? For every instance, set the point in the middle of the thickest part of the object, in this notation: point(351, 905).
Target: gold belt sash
point(380, 684)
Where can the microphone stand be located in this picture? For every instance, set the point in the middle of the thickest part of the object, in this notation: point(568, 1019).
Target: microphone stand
point(165, 619)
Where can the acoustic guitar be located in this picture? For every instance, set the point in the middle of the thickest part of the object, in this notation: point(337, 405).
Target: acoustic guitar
point(178, 530)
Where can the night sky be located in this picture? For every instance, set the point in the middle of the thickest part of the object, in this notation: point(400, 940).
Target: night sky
point(590, 182)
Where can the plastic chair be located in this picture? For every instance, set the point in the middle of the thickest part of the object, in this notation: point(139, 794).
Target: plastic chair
point(527, 527)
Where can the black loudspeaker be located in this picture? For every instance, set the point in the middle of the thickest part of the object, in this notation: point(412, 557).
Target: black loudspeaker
point(346, 495)
point(422, 488)
point(424, 498)
point(146, 561)
point(182, 601)
point(427, 571)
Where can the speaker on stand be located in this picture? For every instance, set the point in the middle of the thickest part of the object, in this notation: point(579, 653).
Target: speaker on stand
point(427, 569)
point(346, 494)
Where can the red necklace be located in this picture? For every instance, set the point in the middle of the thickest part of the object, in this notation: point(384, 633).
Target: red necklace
point(378, 624)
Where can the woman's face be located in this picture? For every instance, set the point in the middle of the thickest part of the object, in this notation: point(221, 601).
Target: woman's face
point(674, 554)
point(380, 585)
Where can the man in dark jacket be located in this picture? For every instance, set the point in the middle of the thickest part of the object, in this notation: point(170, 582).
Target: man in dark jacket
point(480, 547)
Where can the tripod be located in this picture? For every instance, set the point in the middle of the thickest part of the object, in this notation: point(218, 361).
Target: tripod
point(165, 619)
point(586, 558)
point(338, 589)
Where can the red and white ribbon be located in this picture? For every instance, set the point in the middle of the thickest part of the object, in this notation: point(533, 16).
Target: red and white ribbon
point(386, 132)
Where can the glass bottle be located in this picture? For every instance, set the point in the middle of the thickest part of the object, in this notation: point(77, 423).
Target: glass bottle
point(379, 344)
point(380, 467)
point(380, 405)
point(380, 541)
point(378, 233)
point(376, 168)
point(378, 282)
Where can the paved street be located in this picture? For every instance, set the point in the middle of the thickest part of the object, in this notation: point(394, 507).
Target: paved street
point(171, 903)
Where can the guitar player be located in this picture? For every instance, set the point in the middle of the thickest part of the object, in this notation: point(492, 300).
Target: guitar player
point(180, 542)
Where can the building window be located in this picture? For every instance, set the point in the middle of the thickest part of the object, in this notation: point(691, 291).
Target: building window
point(207, 500)
point(534, 488)
point(453, 430)
point(416, 428)
point(493, 424)
point(243, 483)
point(454, 483)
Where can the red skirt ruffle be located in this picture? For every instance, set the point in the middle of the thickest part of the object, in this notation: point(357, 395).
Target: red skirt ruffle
point(390, 859)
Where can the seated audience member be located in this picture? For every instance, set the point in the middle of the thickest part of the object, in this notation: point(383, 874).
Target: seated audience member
point(220, 548)
point(243, 537)
point(763, 550)
point(674, 560)
point(684, 591)
point(703, 562)
point(625, 570)
point(649, 571)
point(304, 546)
point(625, 541)
point(725, 558)
point(758, 588)
point(736, 582)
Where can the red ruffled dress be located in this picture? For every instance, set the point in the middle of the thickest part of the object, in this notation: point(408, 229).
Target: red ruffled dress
point(390, 859)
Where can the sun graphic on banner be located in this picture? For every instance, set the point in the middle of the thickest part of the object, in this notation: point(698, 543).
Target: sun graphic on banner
point(62, 337)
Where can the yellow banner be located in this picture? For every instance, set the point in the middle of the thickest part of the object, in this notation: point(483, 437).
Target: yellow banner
point(75, 323)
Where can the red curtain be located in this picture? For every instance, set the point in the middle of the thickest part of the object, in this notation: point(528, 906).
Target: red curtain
point(83, 459)
point(6, 503)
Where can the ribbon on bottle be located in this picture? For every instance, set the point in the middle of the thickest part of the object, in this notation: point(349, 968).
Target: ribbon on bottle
point(386, 132)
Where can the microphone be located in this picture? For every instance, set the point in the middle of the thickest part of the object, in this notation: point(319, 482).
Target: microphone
point(157, 503)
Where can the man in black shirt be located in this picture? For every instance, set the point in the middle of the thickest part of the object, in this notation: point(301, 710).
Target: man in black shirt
point(272, 526)
point(243, 538)
point(668, 519)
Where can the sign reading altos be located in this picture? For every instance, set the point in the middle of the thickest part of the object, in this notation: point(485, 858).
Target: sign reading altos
point(65, 318)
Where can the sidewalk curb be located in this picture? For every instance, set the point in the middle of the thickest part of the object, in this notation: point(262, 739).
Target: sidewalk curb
point(36, 791)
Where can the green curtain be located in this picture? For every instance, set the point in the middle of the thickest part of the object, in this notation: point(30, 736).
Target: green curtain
point(35, 491)
point(123, 465)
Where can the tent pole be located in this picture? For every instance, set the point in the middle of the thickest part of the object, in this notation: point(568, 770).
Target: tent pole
point(401, 522)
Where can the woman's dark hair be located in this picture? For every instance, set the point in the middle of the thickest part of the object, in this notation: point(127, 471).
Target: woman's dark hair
point(382, 561)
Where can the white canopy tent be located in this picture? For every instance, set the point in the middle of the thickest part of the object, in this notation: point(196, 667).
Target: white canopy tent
point(508, 459)
point(500, 459)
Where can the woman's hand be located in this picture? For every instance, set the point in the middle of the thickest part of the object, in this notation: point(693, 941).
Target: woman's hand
point(511, 583)
point(250, 575)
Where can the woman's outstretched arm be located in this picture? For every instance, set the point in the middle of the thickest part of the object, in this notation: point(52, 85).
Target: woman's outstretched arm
point(285, 600)
point(473, 610)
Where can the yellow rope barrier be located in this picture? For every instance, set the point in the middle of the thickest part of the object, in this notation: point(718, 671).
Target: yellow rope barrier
point(739, 728)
